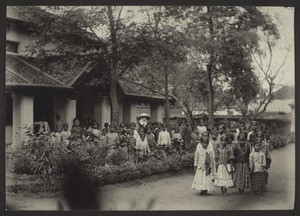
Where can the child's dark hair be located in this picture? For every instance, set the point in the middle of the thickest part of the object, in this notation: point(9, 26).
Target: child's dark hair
point(263, 126)
point(222, 126)
point(205, 132)
point(75, 120)
point(224, 137)
point(230, 136)
point(65, 124)
point(202, 140)
point(243, 132)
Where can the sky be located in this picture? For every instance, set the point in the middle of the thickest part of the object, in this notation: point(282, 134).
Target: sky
point(284, 18)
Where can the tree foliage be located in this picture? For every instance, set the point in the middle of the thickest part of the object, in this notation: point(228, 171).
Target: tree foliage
point(197, 50)
point(99, 33)
point(223, 39)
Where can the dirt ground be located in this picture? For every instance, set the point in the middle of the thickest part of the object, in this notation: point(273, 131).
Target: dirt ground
point(173, 192)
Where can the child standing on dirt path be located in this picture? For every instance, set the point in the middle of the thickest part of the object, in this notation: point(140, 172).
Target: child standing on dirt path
point(224, 159)
point(203, 166)
point(241, 152)
point(257, 168)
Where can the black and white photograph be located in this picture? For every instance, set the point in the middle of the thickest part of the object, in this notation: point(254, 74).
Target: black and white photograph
point(149, 108)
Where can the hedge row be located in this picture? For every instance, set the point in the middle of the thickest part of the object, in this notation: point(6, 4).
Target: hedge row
point(102, 175)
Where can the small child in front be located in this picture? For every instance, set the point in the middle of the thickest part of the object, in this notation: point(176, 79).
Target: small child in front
point(224, 159)
point(203, 167)
point(257, 161)
point(65, 135)
point(143, 148)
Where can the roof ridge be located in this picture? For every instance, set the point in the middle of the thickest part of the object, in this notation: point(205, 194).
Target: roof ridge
point(37, 69)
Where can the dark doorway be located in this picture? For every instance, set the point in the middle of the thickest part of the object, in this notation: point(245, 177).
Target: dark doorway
point(43, 109)
point(79, 109)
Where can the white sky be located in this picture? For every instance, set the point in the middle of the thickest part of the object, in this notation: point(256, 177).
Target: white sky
point(284, 18)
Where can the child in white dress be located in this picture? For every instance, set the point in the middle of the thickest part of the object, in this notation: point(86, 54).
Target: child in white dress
point(203, 166)
point(224, 157)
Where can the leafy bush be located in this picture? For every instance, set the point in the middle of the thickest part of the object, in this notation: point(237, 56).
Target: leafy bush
point(117, 157)
point(129, 170)
point(50, 160)
point(278, 141)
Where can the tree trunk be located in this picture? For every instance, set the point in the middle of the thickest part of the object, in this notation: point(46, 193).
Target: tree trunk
point(113, 70)
point(210, 97)
point(167, 107)
point(113, 96)
point(245, 109)
point(190, 118)
point(209, 75)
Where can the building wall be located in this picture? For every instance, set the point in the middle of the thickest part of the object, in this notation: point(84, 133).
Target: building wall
point(8, 134)
point(16, 34)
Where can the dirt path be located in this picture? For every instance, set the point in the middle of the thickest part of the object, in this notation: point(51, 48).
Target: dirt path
point(173, 192)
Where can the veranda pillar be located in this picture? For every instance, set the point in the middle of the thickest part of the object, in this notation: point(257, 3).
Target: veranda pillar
point(105, 111)
point(130, 113)
point(70, 112)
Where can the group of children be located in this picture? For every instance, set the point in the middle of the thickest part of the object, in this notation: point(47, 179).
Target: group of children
point(232, 157)
point(132, 136)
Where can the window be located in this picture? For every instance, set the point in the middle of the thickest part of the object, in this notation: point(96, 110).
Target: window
point(12, 46)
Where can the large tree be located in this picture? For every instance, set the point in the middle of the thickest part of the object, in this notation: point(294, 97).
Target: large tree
point(222, 36)
point(101, 34)
point(164, 47)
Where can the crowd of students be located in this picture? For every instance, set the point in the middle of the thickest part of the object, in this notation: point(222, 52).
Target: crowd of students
point(143, 139)
point(233, 157)
point(234, 154)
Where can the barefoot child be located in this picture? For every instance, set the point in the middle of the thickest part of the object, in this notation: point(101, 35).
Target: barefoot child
point(257, 168)
point(241, 152)
point(203, 166)
point(223, 159)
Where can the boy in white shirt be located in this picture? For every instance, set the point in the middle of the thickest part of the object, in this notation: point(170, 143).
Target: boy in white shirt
point(164, 136)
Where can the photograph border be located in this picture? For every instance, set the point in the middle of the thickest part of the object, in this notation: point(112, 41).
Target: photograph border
point(290, 3)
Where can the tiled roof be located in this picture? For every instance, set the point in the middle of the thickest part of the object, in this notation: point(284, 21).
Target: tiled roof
point(30, 71)
point(14, 78)
point(132, 88)
point(66, 73)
